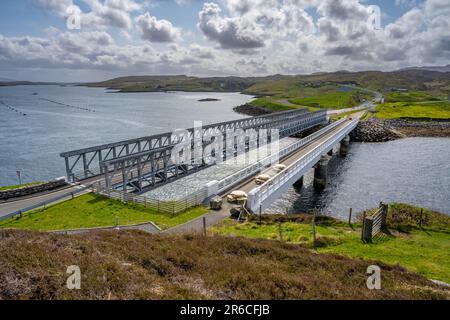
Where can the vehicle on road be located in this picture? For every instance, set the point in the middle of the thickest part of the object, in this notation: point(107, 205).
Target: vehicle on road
point(262, 178)
point(279, 167)
point(237, 196)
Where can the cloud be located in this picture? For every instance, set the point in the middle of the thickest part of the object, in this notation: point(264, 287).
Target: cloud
point(154, 30)
point(230, 33)
point(243, 37)
point(109, 13)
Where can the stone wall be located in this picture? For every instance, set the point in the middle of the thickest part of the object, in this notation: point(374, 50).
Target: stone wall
point(21, 192)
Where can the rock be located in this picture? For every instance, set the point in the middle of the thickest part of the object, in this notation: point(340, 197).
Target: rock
point(20, 192)
point(251, 110)
point(374, 130)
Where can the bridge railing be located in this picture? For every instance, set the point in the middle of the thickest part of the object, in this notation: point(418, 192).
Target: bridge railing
point(254, 168)
point(263, 192)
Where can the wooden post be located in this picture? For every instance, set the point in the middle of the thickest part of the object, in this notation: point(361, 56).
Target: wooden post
point(313, 223)
point(421, 217)
point(350, 218)
point(280, 231)
point(385, 214)
point(260, 213)
point(363, 226)
point(204, 226)
point(367, 230)
point(117, 221)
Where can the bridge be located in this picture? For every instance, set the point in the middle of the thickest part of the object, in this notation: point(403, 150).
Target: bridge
point(134, 167)
point(138, 165)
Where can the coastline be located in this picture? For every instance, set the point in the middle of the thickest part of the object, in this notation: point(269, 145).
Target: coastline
point(379, 130)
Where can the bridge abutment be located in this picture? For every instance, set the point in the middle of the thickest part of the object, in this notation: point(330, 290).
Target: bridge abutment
point(345, 146)
point(320, 173)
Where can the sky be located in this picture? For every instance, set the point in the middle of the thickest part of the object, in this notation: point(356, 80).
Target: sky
point(94, 40)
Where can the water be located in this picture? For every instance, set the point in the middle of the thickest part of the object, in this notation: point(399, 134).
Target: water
point(413, 170)
point(82, 117)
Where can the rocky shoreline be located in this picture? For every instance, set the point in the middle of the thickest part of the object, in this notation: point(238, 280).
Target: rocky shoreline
point(374, 129)
point(251, 110)
point(378, 130)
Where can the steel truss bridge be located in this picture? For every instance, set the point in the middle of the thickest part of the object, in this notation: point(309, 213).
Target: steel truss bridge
point(138, 165)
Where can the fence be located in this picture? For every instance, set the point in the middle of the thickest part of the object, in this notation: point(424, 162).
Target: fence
point(374, 224)
point(159, 206)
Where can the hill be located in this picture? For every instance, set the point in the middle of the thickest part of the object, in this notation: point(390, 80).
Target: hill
point(135, 265)
point(179, 83)
point(410, 79)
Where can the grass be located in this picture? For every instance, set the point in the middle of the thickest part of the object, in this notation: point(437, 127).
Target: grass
point(331, 100)
point(20, 186)
point(288, 94)
point(90, 210)
point(272, 104)
point(136, 265)
point(410, 96)
point(424, 250)
point(414, 110)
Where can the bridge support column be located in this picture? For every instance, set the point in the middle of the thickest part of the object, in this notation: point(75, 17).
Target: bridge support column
point(320, 173)
point(299, 183)
point(345, 145)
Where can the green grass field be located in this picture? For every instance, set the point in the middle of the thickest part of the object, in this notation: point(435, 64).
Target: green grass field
point(285, 95)
point(420, 250)
point(411, 96)
point(272, 104)
point(20, 186)
point(330, 100)
point(90, 210)
point(414, 110)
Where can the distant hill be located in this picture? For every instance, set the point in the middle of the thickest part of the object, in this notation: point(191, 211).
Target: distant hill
point(435, 68)
point(24, 83)
point(181, 83)
point(412, 79)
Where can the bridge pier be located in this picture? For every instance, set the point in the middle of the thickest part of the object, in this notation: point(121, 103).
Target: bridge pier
point(299, 183)
point(320, 173)
point(345, 145)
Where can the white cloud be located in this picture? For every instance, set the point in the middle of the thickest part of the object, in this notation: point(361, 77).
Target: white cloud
point(154, 30)
point(109, 13)
point(230, 33)
point(243, 37)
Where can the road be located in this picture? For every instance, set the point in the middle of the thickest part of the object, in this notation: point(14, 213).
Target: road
point(14, 206)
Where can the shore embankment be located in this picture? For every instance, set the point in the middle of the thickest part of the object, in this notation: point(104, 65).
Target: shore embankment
point(379, 130)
